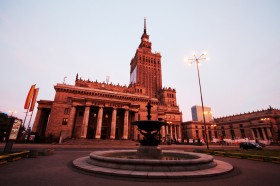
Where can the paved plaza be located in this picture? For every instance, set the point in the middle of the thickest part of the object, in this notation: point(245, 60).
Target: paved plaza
point(58, 170)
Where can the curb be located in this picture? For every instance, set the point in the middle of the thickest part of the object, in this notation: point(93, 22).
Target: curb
point(243, 156)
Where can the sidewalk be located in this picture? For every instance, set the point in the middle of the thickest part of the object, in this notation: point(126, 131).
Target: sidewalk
point(58, 170)
point(123, 144)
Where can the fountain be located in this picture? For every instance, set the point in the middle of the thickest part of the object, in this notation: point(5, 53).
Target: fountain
point(150, 129)
point(149, 160)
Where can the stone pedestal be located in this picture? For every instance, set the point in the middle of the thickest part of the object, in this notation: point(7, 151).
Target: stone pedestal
point(150, 152)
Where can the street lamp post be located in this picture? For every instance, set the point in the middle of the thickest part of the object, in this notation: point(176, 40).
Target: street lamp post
point(196, 60)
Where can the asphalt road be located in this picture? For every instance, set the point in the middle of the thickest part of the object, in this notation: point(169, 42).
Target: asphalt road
point(57, 170)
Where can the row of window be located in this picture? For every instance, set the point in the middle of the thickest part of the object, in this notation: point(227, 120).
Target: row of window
point(147, 46)
point(69, 99)
point(170, 95)
point(148, 59)
point(222, 127)
point(223, 135)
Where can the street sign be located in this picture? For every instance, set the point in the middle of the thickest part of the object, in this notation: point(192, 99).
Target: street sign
point(15, 130)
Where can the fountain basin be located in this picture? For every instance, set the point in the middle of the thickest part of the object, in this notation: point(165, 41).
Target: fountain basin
point(116, 162)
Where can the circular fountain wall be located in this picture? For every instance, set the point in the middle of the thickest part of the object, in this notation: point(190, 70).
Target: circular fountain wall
point(171, 164)
point(149, 160)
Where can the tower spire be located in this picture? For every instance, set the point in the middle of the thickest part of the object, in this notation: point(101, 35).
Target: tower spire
point(145, 25)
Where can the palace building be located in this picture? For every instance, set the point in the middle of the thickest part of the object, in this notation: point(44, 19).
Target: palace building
point(95, 110)
point(257, 125)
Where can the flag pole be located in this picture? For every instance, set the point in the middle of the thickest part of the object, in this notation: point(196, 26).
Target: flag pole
point(27, 101)
point(30, 119)
point(25, 117)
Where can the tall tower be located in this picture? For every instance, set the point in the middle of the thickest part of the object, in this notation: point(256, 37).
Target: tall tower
point(145, 67)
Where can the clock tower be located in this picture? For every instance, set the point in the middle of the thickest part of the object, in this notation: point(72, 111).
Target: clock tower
point(145, 68)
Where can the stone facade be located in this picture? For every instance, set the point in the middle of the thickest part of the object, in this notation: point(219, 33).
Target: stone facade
point(96, 110)
point(257, 125)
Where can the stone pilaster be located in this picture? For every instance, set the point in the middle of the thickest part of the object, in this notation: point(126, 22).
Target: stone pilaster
point(113, 124)
point(99, 123)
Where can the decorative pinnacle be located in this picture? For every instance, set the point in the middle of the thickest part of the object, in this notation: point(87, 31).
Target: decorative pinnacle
point(145, 25)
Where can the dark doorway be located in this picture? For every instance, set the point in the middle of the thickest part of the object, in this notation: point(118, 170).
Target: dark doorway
point(43, 123)
point(117, 133)
point(104, 132)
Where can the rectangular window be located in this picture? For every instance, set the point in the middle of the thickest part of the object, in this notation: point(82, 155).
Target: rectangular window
point(242, 133)
point(232, 134)
point(67, 111)
point(196, 133)
point(216, 134)
point(223, 133)
point(69, 100)
point(64, 121)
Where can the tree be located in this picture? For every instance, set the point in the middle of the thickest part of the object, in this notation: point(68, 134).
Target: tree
point(5, 123)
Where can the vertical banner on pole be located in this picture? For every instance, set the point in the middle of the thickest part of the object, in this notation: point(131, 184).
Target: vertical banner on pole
point(33, 102)
point(31, 109)
point(29, 97)
point(28, 100)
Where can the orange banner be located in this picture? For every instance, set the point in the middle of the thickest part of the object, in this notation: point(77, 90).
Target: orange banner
point(34, 98)
point(29, 97)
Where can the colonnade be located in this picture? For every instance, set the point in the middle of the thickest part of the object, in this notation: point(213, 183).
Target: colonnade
point(97, 134)
point(171, 131)
point(261, 133)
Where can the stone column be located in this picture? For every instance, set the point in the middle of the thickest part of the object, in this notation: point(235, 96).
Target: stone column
point(253, 133)
point(71, 121)
point(179, 133)
point(269, 132)
point(175, 132)
point(171, 132)
point(135, 131)
point(85, 122)
point(166, 131)
point(258, 134)
point(99, 123)
point(36, 127)
point(125, 125)
point(264, 134)
point(113, 124)
point(162, 131)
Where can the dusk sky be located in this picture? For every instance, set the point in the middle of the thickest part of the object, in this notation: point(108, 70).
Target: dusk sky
point(41, 42)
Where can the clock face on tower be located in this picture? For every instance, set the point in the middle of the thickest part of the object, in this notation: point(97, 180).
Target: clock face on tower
point(145, 39)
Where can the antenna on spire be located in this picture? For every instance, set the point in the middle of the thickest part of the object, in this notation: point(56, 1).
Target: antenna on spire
point(144, 25)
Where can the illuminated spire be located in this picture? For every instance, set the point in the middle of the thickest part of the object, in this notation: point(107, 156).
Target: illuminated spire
point(145, 25)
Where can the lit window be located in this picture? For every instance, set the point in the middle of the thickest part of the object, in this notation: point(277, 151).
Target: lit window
point(64, 121)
